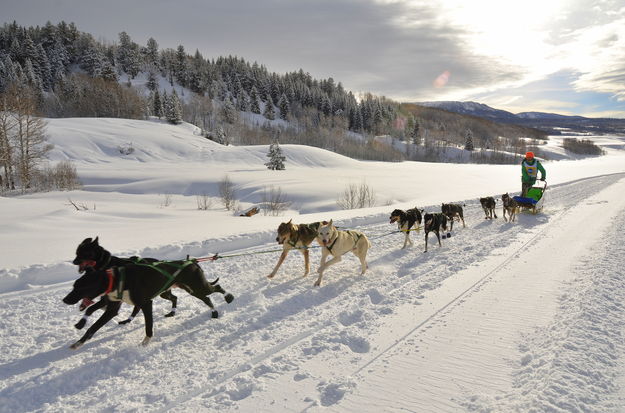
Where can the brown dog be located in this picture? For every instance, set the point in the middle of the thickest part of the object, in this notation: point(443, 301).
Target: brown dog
point(488, 205)
point(510, 206)
point(293, 236)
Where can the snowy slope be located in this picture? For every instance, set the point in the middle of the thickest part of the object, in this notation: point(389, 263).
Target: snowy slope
point(523, 316)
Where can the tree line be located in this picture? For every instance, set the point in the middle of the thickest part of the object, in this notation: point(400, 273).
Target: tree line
point(232, 100)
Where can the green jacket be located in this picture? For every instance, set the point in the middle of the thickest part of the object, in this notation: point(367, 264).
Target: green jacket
point(527, 166)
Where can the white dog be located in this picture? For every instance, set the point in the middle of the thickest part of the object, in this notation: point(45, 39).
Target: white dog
point(338, 243)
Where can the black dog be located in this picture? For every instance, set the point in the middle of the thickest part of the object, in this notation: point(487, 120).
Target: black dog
point(406, 220)
point(135, 283)
point(452, 211)
point(488, 205)
point(434, 223)
point(92, 308)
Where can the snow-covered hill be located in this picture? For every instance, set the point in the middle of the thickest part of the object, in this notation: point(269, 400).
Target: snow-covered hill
point(523, 316)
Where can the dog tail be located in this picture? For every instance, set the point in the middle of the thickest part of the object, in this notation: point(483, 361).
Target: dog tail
point(214, 282)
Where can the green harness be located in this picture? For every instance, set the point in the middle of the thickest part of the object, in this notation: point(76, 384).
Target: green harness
point(171, 278)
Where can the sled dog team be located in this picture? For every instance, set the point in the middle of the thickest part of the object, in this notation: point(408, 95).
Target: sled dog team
point(137, 281)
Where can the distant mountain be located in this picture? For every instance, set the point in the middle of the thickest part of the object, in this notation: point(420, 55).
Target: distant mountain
point(473, 108)
point(551, 122)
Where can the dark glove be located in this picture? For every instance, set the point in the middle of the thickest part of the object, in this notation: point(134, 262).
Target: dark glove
point(542, 179)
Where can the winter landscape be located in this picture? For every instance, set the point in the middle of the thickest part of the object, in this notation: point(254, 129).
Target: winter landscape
point(523, 316)
point(190, 131)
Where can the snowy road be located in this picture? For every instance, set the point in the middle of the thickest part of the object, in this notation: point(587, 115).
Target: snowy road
point(502, 317)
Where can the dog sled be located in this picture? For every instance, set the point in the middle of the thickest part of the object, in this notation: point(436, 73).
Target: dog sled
point(534, 199)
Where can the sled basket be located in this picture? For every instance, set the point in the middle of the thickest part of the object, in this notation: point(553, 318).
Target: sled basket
point(534, 198)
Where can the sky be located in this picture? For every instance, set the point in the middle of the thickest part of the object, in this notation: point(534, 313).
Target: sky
point(560, 56)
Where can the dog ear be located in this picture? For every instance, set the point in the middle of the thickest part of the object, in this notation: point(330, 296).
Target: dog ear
point(95, 241)
point(330, 223)
point(290, 220)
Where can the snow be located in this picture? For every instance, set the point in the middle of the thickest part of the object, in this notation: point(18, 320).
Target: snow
point(525, 316)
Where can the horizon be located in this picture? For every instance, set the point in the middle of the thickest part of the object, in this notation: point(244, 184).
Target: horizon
point(562, 60)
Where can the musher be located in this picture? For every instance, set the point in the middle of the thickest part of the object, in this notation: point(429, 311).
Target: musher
point(529, 168)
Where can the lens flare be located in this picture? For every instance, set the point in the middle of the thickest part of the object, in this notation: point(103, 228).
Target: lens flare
point(442, 79)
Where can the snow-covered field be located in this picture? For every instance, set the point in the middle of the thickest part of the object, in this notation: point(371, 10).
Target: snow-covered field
point(505, 317)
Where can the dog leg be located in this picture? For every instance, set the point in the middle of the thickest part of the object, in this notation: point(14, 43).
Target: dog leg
point(426, 242)
point(280, 261)
point(406, 239)
point(323, 268)
point(135, 311)
point(112, 308)
point(149, 321)
point(306, 261)
point(174, 302)
point(439, 238)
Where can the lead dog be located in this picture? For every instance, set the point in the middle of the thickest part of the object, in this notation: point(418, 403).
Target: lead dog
point(337, 243)
point(434, 223)
point(406, 220)
point(510, 206)
point(134, 283)
point(292, 236)
point(452, 211)
point(488, 205)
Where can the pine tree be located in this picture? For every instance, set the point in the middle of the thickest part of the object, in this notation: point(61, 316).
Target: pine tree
point(276, 159)
point(415, 135)
point(284, 106)
point(269, 111)
point(157, 105)
point(228, 111)
point(468, 143)
point(173, 108)
point(254, 101)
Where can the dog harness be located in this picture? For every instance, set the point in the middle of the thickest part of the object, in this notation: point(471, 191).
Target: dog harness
point(353, 234)
point(121, 294)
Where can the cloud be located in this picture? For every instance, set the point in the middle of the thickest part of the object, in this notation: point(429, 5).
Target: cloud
point(396, 48)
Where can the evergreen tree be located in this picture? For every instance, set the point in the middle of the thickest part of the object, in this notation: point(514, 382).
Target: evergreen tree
point(284, 106)
point(228, 111)
point(269, 112)
point(157, 105)
point(173, 108)
point(276, 159)
point(152, 83)
point(468, 143)
point(415, 135)
point(254, 101)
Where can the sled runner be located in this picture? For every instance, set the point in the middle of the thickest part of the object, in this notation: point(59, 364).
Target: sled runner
point(534, 199)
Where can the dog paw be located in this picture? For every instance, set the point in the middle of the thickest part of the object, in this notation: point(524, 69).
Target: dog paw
point(76, 345)
point(214, 314)
point(170, 314)
point(228, 297)
point(270, 276)
point(146, 341)
point(125, 321)
point(80, 324)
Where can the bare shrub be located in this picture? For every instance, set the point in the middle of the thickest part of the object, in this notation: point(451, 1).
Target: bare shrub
point(62, 176)
point(274, 201)
point(167, 200)
point(79, 206)
point(583, 146)
point(204, 202)
point(357, 196)
point(227, 193)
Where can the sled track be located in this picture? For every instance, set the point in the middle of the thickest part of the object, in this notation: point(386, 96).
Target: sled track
point(292, 301)
point(309, 333)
